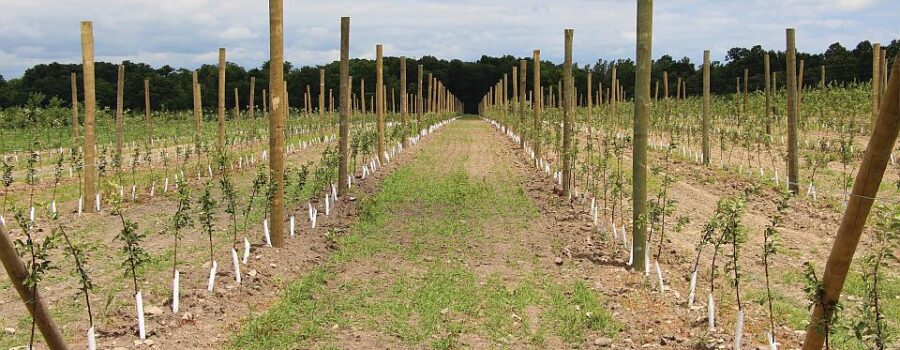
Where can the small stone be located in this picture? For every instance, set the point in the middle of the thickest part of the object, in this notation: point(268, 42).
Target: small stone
point(445, 311)
point(272, 265)
point(558, 261)
point(602, 341)
point(9, 330)
point(148, 342)
point(252, 273)
point(153, 311)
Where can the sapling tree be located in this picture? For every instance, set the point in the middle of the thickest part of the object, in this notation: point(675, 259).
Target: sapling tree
point(180, 220)
point(815, 290)
point(771, 243)
point(135, 256)
point(7, 181)
point(36, 254)
point(871, 328)
point(207, 207)
point(229, 197)
point(78, 253)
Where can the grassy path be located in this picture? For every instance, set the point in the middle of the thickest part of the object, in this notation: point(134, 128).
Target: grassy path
point(448, 254)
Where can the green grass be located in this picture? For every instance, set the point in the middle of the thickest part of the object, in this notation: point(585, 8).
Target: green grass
point(414, 231)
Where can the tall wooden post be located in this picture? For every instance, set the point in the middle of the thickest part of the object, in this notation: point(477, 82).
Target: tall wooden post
point(523, 72)
point(429, 108)
point(251, 109)
point(567, 98)
point(379, 102)
point(767, 72)
point(641, 125)
point(666, 92)
point(147, 116)
point(276, 120)
point(198, 108)
point(322, 102)
point(362, 97)
point(614, 84)
point(822, 79)
point(404, 118)
point(793, 142)
point(865, 190)
point(419, 108)
point(75, 132)
point(237, 105)
point(345, 102)
point(876, 81)
point(221, 107)
point(538, 102)
point(706, 103)
point(90, 105)
point(120, 111)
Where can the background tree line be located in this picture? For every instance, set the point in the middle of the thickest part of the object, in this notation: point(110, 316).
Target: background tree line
point(170, 88)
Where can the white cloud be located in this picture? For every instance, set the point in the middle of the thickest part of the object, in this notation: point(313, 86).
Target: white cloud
point(187, 33)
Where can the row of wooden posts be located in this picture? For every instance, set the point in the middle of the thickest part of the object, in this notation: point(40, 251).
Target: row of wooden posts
point(439, 99)
point(885, 127)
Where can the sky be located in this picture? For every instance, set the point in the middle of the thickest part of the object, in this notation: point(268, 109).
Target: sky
point(188, 33)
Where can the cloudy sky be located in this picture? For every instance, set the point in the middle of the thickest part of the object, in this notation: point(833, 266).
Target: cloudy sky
point(187, 33)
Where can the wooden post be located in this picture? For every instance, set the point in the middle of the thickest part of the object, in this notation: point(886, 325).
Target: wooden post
point(567, 97)
point(792, 110)
point(876, 81)
point(322, 103)
point(666, 91)
point(75, 105)
point(237, 105)
point(362, 97)
point(90, 104)
point(822, 79)
point(307, 100)
point(429, 108)
point(345, 102)
point(800, 88)
point(419, 99)
point(403, 100)
point(706, 103)
point(265, 103)
point(198, 108)
point(746, 90)
point(523, 71)
point(276, 120)
point(614, 85)
point(538, 102)
point(120, 111)
point(379, 102)
point(252, 106)
point(640, 167)
point(221, 110)
point(147, 115)
point(515, 97)
point(767, 81)
point(30, 297)
point(865, 190)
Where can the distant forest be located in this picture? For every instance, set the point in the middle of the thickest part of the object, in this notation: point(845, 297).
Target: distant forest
point(49, 84)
